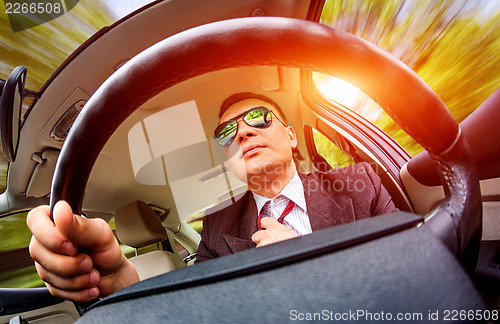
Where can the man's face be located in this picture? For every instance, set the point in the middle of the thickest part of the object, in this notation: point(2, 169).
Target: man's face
point(259, 151)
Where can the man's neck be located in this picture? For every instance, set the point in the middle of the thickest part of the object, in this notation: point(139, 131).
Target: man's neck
point(270, 184)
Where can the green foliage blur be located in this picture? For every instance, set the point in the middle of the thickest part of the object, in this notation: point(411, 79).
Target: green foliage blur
point(15, 239)
point(452, 45)
point(15, 233)
point(335, 157)
point(42, 49)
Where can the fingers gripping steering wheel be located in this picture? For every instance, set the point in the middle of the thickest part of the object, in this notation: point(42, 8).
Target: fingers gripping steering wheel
point(289, 43)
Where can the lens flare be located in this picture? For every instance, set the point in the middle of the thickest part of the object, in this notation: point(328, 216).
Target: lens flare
point(339, 90)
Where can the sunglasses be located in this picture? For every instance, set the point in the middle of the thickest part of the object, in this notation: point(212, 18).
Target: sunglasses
point(258, 117)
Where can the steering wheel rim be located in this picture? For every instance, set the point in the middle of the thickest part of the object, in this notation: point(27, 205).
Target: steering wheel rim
point(290, 43)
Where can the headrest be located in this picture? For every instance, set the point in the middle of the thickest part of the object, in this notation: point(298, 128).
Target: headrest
point(137, 225)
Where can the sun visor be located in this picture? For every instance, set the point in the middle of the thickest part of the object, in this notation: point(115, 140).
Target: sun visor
point(41, 179)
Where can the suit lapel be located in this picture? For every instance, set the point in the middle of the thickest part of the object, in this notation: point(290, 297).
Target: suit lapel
point(324, 211)
point(237, 244)
point(247, 225)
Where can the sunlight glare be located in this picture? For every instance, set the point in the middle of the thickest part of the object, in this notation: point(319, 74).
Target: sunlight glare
point(339, 90)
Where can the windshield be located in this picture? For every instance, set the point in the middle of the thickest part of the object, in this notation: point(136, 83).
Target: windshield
point(43, 48)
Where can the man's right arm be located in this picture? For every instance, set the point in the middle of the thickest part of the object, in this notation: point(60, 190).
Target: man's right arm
point(69, 273)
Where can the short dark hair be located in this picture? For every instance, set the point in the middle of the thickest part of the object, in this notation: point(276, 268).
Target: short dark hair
point(240, 96)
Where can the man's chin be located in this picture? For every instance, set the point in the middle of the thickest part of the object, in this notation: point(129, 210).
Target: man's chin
point(265, 168)
point(256, 166)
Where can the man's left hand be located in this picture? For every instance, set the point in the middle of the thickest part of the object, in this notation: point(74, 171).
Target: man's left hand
point(272, 232)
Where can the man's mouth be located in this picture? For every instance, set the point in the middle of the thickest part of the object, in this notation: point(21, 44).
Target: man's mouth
point(251, 150)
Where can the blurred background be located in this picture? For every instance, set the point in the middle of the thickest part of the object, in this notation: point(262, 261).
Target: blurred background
point(453, 45)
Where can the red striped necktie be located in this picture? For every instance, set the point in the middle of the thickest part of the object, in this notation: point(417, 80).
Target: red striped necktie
point(285, 212)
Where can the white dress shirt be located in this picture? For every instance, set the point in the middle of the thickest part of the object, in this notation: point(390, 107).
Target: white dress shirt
point(298, 219)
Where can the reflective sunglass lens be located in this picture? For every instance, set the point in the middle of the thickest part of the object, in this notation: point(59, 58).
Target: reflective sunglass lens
point(255, 118)
point(227, 133)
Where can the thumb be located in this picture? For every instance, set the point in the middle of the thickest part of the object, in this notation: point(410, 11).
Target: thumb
point(63, 218)
point(81, 231)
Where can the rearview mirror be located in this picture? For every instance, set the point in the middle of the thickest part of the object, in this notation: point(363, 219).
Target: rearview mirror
point(11, 100)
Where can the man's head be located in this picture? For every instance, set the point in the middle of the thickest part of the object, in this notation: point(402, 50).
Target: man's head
point(263, 153)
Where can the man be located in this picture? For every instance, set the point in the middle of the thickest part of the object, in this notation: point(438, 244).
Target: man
point(259, 146)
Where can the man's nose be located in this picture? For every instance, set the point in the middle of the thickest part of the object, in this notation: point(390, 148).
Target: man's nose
point(244, 131)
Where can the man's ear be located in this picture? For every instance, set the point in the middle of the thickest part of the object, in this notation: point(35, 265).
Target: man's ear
point(292, 136)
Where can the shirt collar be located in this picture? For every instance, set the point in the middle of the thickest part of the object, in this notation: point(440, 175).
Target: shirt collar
point(294, 191)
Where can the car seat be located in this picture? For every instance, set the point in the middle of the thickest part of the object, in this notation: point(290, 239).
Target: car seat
point(137, 225)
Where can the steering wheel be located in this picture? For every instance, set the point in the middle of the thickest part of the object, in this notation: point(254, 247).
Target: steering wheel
point(289, 43)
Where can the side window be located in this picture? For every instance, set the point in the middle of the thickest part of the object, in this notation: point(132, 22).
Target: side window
point(3, 172)
point(350, 97)
point(327, 154)
point(17, 269)
point(452, 45)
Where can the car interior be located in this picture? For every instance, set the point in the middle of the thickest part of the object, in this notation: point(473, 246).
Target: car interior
point(161, 169)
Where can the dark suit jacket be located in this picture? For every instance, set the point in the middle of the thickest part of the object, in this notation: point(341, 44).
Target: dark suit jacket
point(332, 198)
